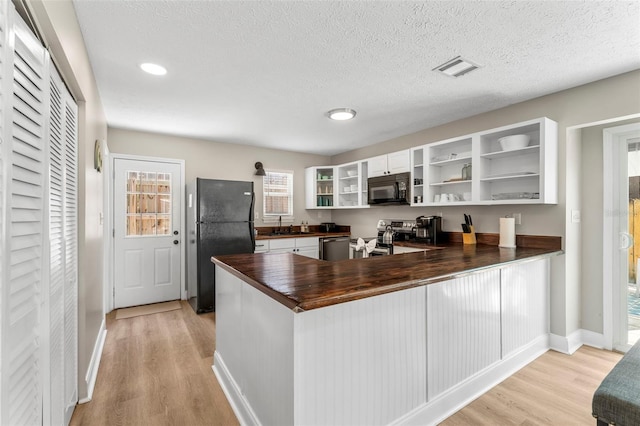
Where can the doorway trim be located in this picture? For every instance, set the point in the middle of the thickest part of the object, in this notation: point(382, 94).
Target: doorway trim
point(111, 214)
point(612, 323)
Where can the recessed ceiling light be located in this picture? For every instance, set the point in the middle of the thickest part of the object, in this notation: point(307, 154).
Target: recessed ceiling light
point(341, 114)
point(457, 67)
point(153, 69)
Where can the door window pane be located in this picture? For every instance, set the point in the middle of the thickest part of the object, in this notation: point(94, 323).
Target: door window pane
point(148, 203)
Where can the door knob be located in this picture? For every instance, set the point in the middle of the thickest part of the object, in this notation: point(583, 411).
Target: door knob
point(175, 232)
point(175, 241)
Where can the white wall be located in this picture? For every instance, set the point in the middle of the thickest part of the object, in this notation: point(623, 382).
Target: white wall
point(219, 160)
point(57, 22)
point(605, 99)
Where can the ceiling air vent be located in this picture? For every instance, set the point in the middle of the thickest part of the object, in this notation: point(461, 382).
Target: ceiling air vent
point(457, 67)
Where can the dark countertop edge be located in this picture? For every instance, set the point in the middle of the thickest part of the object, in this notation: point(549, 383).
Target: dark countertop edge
point(321, 302)
point(277, 296)
point(357, 295)
point(304, 235)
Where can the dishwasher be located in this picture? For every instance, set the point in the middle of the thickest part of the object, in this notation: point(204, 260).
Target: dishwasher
point(334, 248)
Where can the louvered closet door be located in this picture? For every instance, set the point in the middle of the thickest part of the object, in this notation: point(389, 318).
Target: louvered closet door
point(25, 198)
point(63, 252)
point(4, 155)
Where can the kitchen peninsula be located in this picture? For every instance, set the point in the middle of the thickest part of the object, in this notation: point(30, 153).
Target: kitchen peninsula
point(404, 339)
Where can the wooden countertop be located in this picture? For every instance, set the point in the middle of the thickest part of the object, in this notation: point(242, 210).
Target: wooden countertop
point(301, 235)
point(302, 283)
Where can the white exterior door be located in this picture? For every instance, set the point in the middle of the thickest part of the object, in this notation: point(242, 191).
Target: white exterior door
point(147, 234)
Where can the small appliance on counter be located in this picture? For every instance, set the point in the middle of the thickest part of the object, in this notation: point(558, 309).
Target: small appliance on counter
point(429, 229)
point(327, 227)
point(402, 229)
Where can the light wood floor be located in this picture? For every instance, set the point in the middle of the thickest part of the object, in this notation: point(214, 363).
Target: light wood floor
point(156, 370)
point(555, 389)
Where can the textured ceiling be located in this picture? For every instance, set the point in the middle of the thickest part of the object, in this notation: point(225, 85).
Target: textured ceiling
point(264, 73)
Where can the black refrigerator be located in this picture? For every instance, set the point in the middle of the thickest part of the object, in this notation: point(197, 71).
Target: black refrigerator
point(219, 221)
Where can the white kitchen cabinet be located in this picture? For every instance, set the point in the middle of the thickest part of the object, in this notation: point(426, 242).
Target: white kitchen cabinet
point(352, 185)
point(262, 246)
point(520, 176)
point(389, 164)
point(417, 176)
point(306, 246)
point(445, 161)
point(492, 176)
point(320, 187)
point(377, 165)
point(309, 247)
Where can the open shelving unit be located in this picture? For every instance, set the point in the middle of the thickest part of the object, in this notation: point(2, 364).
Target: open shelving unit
point(520, 176)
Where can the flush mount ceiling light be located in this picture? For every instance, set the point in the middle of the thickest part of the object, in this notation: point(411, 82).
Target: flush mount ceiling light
point(341, 114)
point(457, 67)
point(153, 69)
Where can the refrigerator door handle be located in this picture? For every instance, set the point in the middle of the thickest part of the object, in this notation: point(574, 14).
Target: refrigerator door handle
point(252, 228)
point(253, 203)
point(253, 237)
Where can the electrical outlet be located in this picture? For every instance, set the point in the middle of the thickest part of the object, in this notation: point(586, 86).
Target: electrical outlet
point(518, 218)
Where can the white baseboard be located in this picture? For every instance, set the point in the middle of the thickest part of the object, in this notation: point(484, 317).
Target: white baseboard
point(571, 343)
point(436, 410)
point(238, 403)
point(92, 371)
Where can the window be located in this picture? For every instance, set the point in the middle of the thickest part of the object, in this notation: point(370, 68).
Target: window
point(148, 203)
point(278, 194)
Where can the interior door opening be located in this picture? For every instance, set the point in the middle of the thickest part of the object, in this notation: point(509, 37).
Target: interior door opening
point(633, 268)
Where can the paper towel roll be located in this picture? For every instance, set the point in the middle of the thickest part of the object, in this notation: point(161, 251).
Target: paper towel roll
point(507, 232)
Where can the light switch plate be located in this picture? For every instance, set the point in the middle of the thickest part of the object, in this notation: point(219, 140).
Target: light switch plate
point(518, 218)
point(575, 216)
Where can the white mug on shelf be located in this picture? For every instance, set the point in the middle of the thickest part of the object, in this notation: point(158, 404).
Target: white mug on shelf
point(466, 196)
point(444, 198)
point(436, 198)
point(454, 197)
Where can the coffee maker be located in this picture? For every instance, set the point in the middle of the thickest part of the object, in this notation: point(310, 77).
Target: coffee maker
point(429, 229)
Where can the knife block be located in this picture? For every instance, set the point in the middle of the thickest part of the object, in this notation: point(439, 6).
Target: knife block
point(470, 237)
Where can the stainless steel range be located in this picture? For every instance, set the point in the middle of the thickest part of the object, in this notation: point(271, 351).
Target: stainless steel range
point(403, 229)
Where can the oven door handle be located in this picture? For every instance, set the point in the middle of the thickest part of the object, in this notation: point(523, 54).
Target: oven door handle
point(396, 189)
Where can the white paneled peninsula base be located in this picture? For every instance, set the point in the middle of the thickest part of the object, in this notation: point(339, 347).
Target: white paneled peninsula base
point(412, 356)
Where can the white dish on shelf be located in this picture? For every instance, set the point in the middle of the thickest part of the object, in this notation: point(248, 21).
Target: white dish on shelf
point(516, 196)
point(352, 173)
point(443, 157)
point(511, 142)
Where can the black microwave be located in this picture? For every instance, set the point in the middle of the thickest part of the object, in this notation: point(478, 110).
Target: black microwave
point(389, 189)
